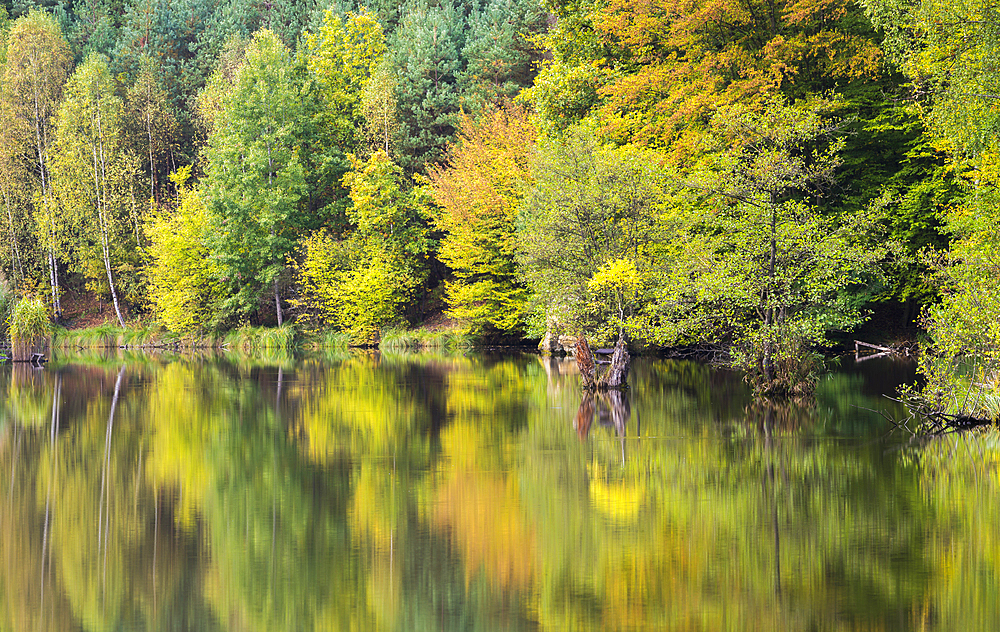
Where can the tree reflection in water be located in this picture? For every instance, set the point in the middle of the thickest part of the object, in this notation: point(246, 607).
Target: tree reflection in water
point(471, 492)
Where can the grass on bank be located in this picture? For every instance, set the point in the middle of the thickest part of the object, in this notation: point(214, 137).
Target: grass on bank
point(398, 340)
point(254, 339)
point(29, 326)
point(107, 336)
point(261, 338)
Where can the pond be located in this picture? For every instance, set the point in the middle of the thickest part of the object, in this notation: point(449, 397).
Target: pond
point(480, 492)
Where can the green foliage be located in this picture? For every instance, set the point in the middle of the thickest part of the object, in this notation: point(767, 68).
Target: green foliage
point(781, 273)
point(947, 49)
point(109, 336)
point(38, 61)
point(426, 54)
point(592, 205)
point(7, 302)
point(501, 51)
point(255, 184)
point(378, 107)
point(341, 58)
point(152, 126)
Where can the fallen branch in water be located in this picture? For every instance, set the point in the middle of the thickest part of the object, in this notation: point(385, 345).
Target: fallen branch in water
point(931, 421)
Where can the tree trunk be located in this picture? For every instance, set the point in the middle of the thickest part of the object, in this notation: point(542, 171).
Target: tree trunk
point(768, 362)
point(617, 375)
point(585, 362)
point(101, 191)
point(277, 303)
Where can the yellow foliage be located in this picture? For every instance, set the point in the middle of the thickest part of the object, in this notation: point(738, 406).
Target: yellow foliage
point(183, 277)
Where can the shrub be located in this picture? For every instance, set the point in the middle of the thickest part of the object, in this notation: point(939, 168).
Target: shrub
point(29, 325)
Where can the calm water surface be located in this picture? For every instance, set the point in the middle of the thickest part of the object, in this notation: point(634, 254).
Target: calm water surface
point(412, 493)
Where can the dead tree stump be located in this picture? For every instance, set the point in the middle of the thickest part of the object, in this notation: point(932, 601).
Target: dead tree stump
point(585, 362)
point(617, 374)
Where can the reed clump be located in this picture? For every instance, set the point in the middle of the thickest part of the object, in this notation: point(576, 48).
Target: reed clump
point(30, 328)
point(400, 340)
point(261, 338)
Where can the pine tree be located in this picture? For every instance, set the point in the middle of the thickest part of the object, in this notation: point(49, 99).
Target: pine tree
point(426, 54)
point(501, 56)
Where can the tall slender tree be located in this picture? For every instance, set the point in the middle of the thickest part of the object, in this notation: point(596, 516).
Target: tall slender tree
point(38, 63)
point(91, 167)
point(152, 124)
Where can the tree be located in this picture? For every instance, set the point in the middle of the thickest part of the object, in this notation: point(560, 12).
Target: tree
point(947, 48)
point(38, 62)
point(780, 274)
point(363, 284)
point(339, 58)
point(14, 187)
point(378, 107)
point(426, 55)
point(255, 181)
point(183, 279)
point(479, 191)
point(651, 71)
point(152, 124)
point(591, 205)
point(501, 51)
point(91, 168)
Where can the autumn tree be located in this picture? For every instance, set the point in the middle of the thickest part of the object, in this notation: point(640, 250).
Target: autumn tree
point(340, 58)
point(15, 189)
point(365, 282)
point(184, 282)
point(38, 63)
point(378, 107)
point(479, 191)
point(91, 167)
point(652, 70)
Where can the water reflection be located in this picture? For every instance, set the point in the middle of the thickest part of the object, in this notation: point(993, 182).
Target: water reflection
point(380, 492)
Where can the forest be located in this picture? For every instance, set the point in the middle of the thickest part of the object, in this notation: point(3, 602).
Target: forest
point(760, 175)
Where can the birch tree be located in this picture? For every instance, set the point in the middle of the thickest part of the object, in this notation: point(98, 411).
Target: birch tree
point(90, 165)
point(38, 62)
